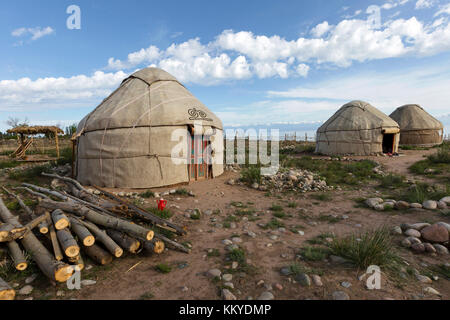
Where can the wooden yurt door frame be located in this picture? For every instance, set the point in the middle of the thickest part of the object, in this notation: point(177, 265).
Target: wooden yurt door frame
point(199, 165)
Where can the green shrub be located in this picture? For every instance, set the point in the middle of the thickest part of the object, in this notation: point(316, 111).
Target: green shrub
point(422, 191)
point(371, 248)
point(165, 214)
point(274, 223)
point(276, 207)
point(9, 164)
point(292, 205)
point(147, 194)
point(314, 253)
point(251, 174)
point(322, 196)
point(214, 253)
point(182, 192)
point(163, 268)
point(30, 174)
point(392, 181)
point(442, 156)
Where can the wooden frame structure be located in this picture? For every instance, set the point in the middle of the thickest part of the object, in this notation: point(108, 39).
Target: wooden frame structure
point(25, 142)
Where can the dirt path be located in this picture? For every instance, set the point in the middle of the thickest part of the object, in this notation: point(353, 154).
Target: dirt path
point(188, 270)
point(117, 281)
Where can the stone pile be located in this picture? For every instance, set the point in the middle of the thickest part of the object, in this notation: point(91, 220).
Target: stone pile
point(424, 237)
point(294, 180)
point(380, 205)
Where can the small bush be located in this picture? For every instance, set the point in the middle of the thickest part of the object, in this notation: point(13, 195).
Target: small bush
point(13, 205)
point(422, 191)
point(320, 239)
point(196, 215)
point(371, 248)
point(392, 181)
point(329, 218)
point(292, 205)
point(30, 174)
point(147, 194)
point(214, 253)
point(182, 192)
point(274, 224)
point(146, 296)
point(279, 214)
point(314, 253)
point(9, 164)
point(442, 156)
point(322, 196)
point(276, 208)
point(251, 174)
point(163, 268)
point(165, 214)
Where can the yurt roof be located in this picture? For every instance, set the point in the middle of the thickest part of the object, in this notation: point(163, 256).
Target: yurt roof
point(414, 117)
point(357, 115)
point(148, 98)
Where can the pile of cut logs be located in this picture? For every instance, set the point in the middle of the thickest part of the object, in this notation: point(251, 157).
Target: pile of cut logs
point(72, 223)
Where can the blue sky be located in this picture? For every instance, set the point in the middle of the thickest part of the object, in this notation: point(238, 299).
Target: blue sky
point(251, 62)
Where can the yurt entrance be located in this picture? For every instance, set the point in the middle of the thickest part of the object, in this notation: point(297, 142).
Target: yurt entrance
point(388, 143)
point(199, 166)
point(389, 140)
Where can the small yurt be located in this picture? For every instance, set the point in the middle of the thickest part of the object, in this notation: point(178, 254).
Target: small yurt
point(418, 127)
point(358, 128)
point(150, 132)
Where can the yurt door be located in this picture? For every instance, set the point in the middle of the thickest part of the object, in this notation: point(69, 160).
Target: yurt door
point(198, 166)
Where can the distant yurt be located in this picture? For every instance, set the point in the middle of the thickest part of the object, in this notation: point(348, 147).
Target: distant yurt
point(150, 132)
point(418, 127)
point(358, 128)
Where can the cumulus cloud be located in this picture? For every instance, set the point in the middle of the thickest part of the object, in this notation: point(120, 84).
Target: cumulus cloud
point(443, 10)
point(25, 93)
point(34, 33)
point(386, 90)
point(320, 29)
point(243, 54)
point(423, 4)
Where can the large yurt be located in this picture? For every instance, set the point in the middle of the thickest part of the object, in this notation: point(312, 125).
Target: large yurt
point(150, 132)
point(358, 128)
point(418, 127)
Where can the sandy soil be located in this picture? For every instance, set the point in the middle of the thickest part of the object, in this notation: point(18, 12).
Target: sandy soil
point(116, 281)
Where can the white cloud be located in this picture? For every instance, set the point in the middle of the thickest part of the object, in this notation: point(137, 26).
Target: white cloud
point(23, 94)
point(303, 70)
point(386, 90)
point(243, 54)
point(423, 4)
point(34, 33)
point(443, 10)
point(320, 29)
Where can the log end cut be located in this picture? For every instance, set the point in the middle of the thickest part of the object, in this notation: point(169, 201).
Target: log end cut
point(63, 273)
point(159, 247)
point(22, 266)
point(72, 251)
point(43, 230)
point(89, 241)
point(118, 252)
point(7, 294)
point(150, 235)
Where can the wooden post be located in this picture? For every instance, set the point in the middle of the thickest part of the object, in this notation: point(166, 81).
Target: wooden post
point(57, 144)
point(74, 143)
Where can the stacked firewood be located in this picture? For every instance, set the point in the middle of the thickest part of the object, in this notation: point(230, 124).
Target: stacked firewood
point(74, 223)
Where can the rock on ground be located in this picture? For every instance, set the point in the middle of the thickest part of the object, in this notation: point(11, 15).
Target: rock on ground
point(266, 295)
point(340, 295)
point(435, 233)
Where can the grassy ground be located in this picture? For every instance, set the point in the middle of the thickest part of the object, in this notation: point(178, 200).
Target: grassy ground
point(439, 162)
